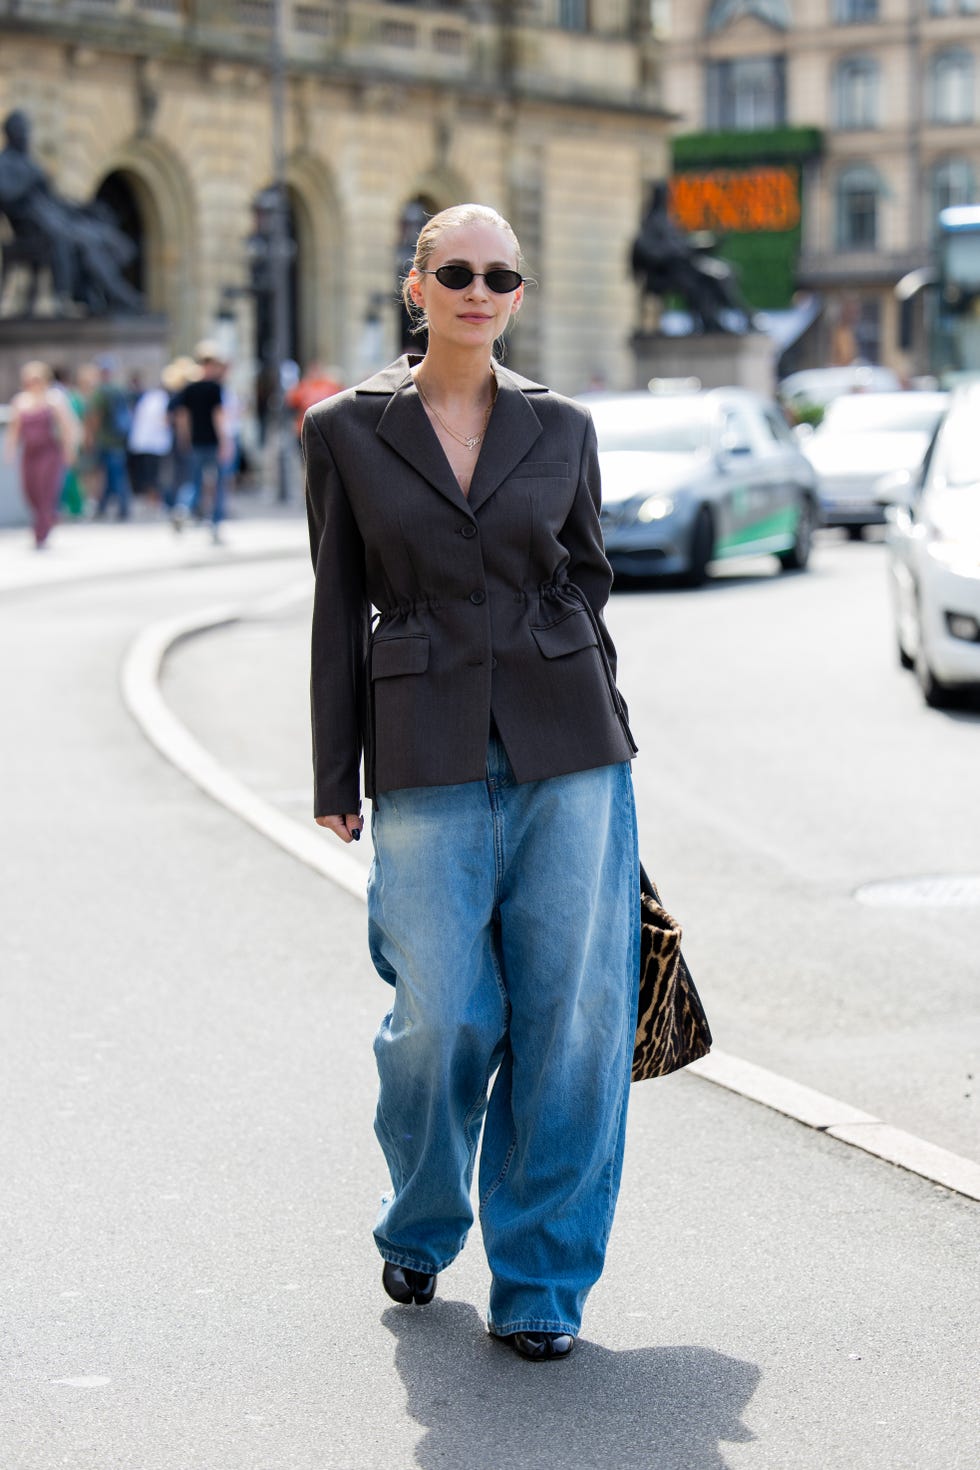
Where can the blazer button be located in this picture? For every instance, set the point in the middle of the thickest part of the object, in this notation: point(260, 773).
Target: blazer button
point(468, 531)
point(477, 597)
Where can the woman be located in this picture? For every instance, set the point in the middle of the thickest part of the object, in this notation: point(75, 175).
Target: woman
point(461, 501)
point(42, 425)
point(150, 441)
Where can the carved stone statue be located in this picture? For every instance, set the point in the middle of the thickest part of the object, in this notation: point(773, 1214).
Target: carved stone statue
point(81, 244)
point(669, 262)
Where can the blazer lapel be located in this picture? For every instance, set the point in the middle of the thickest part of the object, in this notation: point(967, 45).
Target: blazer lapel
point(513, 428)
point(405, 427)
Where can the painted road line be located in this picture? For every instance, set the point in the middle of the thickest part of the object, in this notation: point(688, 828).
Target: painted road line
point(841, 1121)
point(140, 678)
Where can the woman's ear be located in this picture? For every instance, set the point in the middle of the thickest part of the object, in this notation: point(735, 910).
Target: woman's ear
point(415, 286)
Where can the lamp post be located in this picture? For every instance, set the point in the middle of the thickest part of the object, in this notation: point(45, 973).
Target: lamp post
point(279, 245)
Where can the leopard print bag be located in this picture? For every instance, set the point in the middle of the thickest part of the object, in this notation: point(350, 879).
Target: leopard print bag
point(671, 1027)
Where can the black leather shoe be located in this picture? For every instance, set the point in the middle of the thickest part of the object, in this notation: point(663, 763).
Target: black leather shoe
point(406, 1286)
point(540, 1347)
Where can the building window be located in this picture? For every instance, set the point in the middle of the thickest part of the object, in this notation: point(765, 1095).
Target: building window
point(770, 12)
point(573, 15)
point(867, 329)
point(856, 92)
point(953, 7)
point(855, 12)
point(858, 189)
point(747, 94)
point(950, 88)
point(952, 183)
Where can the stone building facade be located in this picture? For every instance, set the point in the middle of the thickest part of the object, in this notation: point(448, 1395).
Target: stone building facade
point(892, 89)
point(550, 110)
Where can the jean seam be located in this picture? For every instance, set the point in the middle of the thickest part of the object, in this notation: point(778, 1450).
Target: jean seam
point(505, 1166)
point(612, 1191)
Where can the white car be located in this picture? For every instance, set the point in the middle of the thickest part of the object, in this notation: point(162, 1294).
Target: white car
point(933, 539)
point(863, 437)
point(816, 387)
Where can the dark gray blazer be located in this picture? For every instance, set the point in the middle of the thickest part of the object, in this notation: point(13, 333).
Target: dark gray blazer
point(489, 605)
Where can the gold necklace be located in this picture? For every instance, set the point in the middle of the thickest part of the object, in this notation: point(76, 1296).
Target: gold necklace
point(474, 439)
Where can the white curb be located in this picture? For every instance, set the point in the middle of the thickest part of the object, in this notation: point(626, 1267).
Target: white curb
point(141, 693)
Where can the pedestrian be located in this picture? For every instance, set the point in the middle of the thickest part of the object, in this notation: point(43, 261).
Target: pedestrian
point(108, 418)
point(316, 384)
point(72, 500)
point(461, 500)
point(43, 428)
point(202, 430)
point(87, 465)
point(150, 441)
point(177, 472)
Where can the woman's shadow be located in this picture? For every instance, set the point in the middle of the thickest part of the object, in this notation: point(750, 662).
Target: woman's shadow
point(662, 1408)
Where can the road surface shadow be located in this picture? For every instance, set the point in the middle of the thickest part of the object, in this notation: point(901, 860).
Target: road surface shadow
point(484, 1408)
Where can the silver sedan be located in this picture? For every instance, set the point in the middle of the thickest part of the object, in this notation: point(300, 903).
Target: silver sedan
point(692, 477)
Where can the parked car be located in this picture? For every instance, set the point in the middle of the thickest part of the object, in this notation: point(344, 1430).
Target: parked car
point(813, 388)
point(863, 437)
point(933, 540)
point(691, 477)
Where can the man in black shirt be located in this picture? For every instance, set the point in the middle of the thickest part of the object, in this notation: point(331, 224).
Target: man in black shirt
point(202, 429)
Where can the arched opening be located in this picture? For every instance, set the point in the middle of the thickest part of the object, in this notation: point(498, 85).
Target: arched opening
point(410, 221)
point(261, 245)
point(325, 331)
point(117, 194)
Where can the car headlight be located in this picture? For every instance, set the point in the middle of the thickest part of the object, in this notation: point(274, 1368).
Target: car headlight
point(655, 508)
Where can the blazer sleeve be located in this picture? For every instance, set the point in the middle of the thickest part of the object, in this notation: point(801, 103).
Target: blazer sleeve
point(581, 537)
point(341, 625)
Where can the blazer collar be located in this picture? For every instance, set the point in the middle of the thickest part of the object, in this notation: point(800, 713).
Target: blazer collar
point(404, 425)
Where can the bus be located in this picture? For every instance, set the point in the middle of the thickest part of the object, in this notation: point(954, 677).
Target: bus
point(950, 292)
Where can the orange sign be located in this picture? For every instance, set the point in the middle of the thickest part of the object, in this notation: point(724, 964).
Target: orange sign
point(736, 201)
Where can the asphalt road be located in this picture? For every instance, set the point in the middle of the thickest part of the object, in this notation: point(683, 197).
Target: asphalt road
point(786, 763)
point(189, 1175)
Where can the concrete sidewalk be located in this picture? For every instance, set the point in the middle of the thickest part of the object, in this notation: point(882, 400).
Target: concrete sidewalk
point(258, 528)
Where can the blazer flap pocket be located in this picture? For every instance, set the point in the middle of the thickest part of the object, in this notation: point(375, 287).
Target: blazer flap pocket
point(540, 469)
point(568, 635)
point(405, 655)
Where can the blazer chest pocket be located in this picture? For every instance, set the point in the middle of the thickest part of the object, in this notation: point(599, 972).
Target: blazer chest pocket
point(568, 635)
point(406, 655)
point(540, 469)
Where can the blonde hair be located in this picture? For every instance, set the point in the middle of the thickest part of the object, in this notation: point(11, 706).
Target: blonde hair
point(432, 232)
point(36, 371)
point(179, 373)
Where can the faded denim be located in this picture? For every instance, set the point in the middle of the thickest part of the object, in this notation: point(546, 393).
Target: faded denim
point(506, 917)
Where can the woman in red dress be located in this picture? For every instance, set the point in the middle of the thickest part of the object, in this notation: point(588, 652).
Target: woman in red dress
point(43, 427)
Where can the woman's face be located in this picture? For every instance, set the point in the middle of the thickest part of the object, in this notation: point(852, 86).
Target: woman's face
point(475, 316)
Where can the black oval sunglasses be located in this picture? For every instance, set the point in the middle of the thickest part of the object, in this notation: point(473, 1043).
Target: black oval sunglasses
point(458, 277)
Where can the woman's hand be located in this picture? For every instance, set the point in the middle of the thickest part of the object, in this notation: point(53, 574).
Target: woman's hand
point(348, 828)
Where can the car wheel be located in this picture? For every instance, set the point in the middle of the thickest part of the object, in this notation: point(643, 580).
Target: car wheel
point(855, 533)
point(702, 545)
point(795, 560)
point(936, 694)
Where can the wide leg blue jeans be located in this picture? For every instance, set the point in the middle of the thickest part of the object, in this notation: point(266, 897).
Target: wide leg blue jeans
point(506, 917)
